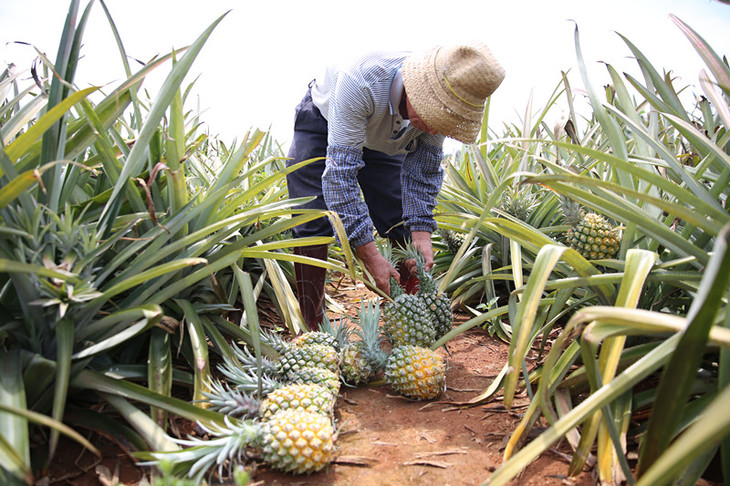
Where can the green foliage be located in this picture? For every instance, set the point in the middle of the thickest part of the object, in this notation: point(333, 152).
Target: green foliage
point(661, 173)
point(126, 237)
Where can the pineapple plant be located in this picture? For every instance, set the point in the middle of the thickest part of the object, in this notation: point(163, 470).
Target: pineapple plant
point(292, 440)
point(590, 234)
point(452, 240)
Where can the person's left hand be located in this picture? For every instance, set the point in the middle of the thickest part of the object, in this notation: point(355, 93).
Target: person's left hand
point(422, 241)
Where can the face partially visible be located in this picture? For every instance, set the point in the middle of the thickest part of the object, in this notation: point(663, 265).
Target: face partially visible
point(416, 120)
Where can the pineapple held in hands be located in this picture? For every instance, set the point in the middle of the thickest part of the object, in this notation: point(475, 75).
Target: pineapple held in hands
point(437, 302)
point(407, 319)
point(590, 234)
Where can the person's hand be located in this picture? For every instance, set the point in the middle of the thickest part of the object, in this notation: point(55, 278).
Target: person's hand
point(378, 266)
point(422, 241)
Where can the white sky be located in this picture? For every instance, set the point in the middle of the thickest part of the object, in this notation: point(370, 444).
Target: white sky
point(255, 67)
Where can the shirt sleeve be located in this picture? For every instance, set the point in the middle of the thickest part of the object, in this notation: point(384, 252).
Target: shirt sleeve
point(342, 192)
point(421, 179)
point(350, 106)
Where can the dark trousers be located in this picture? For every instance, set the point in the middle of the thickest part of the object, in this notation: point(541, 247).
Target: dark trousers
point(379, 180)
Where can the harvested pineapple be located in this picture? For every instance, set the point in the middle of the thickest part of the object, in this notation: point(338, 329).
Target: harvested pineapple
point(355, 368)
point(413, 371)
point(437, 303)
point(407, 319)
point(416, 372)
point(307, 396)
point(291, 360)
point(292, 440)
point(297, 441)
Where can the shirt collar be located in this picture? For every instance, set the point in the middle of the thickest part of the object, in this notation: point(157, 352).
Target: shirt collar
point(396, 92)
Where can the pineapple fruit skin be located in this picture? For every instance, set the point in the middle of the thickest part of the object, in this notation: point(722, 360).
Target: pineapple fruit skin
point(297, 441)
point(307, 396)
point(416, 372)
point(355, 367)
point(315, 337)
point(319, 376)
point(594, 238)
point(408, 322)
point(308, 355)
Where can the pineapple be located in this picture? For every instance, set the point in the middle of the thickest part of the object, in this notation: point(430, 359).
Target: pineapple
point(246, 379)
point(315, 337)
point(416, 372)
point(407, 319)
point(311, 397)
point(306, 356)
point(413, 371)
point(297, 441)
point(362, 359)
point(291, 359)
point(280, 345)
point(355, 368)
point(437, 303)
point(292, 440)
point(320, 376)
point(452, 239)
point(590, 234)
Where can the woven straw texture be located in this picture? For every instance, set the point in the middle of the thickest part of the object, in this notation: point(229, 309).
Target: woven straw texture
point(448, 87)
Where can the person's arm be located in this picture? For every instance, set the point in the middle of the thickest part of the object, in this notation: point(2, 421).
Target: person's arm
point(347, 119)
point(421, 180)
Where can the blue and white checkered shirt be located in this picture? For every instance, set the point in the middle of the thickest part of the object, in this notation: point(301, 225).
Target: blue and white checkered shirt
point(360, 102)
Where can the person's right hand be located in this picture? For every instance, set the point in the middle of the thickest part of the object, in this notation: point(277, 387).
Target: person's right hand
point(378, 266)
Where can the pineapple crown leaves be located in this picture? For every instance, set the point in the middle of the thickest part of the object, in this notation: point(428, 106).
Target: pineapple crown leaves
point(573, 212)
point(243, 372)
point(232, 402)
point(275, 340)
point(370, 333)
point(386, 249)
point(426, 280)
point(338, 329)
point(225, 446)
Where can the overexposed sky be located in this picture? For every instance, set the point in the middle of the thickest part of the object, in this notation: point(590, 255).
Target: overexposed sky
point(256, 65)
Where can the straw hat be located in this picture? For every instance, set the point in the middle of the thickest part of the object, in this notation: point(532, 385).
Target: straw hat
point(449, 85)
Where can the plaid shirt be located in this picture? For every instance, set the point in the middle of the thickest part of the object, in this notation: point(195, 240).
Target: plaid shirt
point(360, 103)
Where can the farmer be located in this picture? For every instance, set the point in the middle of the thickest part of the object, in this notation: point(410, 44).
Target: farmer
point(381, 122)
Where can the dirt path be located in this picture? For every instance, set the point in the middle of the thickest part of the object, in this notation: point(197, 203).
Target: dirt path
point(388, 440)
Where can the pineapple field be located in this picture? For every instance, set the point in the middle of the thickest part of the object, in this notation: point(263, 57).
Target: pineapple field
point(573, 328)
